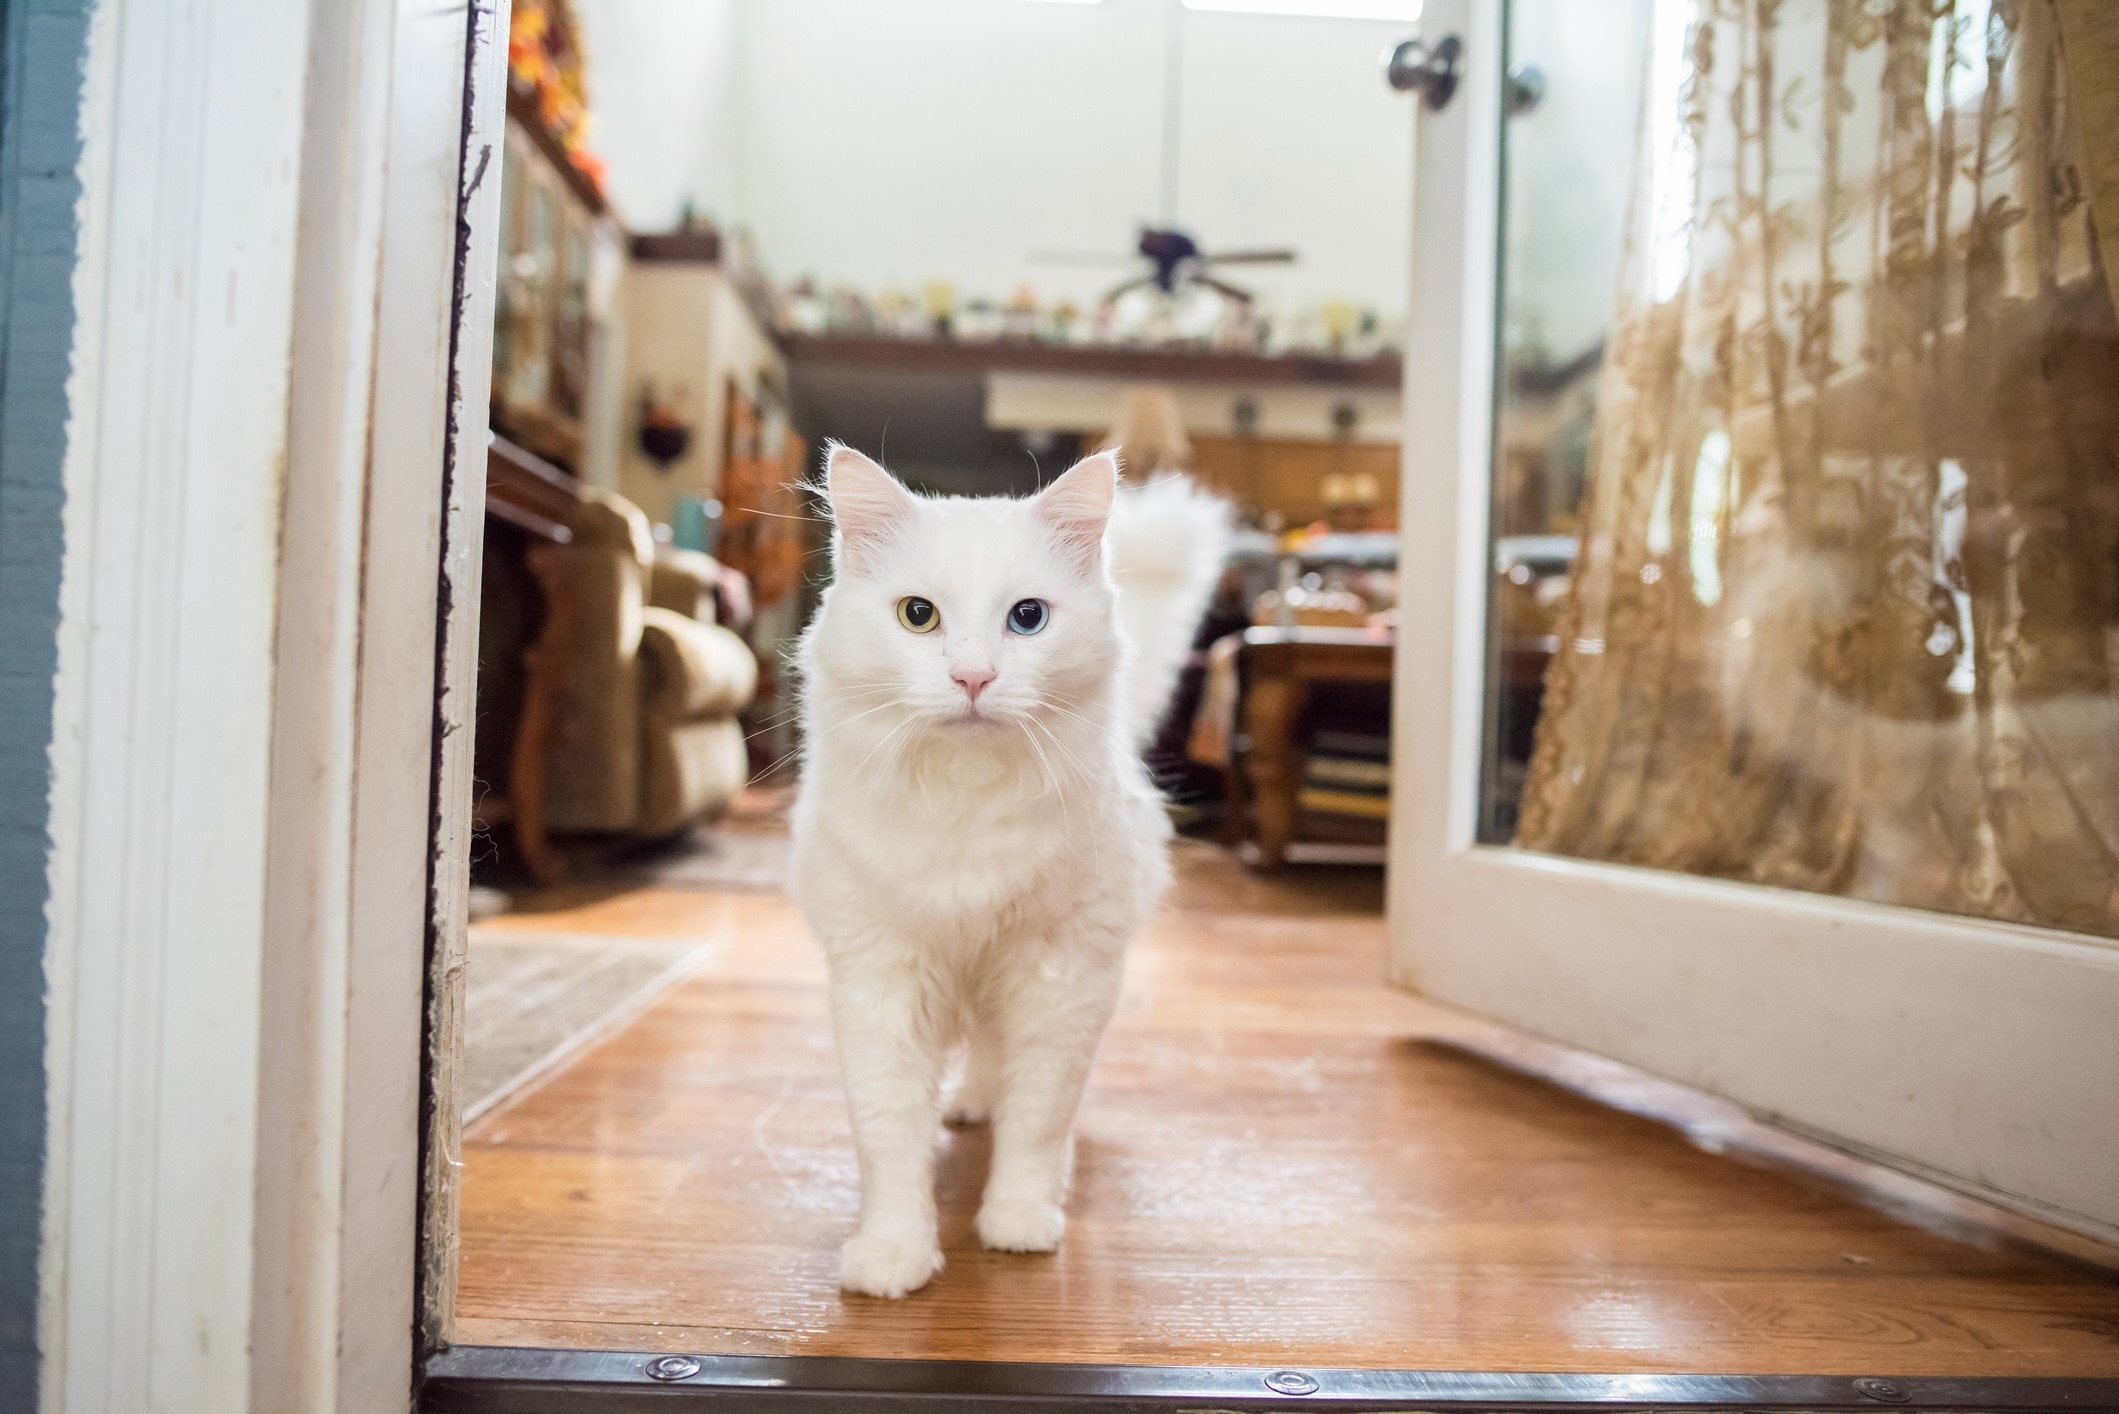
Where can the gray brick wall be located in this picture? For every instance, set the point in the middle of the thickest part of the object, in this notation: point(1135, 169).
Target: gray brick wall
point(40, 90)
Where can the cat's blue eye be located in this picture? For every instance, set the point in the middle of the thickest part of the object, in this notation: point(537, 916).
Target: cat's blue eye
point(1028, 616)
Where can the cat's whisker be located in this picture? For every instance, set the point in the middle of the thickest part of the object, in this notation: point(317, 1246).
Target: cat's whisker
point(809, 745)
point(891, 699)
point(1049, 779)
point(770, 771)
point(894, 733)
point(1058, 706)
point(1082, 773)
point(776, 515)
point(795, 712)
point(864, 691)
point(892, 762)
point(778, 719)
point(916, 769)
point(1110, 733)
point(1080, 770)
point(845, 722)
point(1066, 810)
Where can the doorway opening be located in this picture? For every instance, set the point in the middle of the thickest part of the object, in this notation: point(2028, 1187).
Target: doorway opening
point(976, 239)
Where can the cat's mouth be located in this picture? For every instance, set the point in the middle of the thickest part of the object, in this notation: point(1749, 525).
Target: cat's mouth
point(972, 715)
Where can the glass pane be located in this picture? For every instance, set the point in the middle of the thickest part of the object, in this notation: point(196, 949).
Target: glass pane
point(1567, 163)
point(1807, 539)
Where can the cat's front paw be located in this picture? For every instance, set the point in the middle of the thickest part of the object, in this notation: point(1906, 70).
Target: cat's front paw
point(886, 1266)
point(1021, 1225)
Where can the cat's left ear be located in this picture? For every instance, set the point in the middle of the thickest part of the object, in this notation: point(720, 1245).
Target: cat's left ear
point(1077, 506)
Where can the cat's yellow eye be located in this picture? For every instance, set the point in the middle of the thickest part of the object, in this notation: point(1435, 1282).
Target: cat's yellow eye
point(919, 615)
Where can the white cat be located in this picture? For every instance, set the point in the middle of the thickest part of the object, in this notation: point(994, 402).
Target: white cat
point(976, 840)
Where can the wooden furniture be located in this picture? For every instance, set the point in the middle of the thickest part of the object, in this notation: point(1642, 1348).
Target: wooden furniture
point(608, 697)
point(768, 534)
point(766, 530)
point(1291, 476)
point(646, 739)
point(1278, 668)
point(528, 616)
point(555, 233)
point(528, 492)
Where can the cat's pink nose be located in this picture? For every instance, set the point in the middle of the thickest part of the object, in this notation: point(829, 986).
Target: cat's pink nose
point(972, 680)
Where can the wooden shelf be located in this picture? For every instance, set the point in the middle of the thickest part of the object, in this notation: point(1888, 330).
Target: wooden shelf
point(1142, 364)
point(523, 109)
point(701, 247)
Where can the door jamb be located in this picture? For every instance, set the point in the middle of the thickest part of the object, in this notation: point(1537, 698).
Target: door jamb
point(262, 730)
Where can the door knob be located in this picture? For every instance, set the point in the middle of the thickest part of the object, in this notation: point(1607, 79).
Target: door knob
point(1524, 91)
point(1431, 71)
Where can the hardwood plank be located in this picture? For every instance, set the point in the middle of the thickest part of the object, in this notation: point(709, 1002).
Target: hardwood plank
point(1280, 1160)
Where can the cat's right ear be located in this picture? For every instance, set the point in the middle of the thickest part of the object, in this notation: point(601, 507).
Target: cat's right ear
point(868, 505)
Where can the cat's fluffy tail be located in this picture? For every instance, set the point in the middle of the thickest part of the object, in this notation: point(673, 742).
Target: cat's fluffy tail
point(1166, 542)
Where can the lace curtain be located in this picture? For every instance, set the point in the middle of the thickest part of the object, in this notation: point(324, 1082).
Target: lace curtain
point(1846, 605)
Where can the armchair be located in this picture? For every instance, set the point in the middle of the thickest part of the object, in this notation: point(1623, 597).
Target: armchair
point(645, 737)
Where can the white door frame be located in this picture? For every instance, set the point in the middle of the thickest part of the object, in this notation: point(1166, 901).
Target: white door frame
point(1982, 1055)
point(267, 459)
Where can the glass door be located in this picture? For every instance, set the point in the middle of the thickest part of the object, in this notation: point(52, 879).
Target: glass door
point(1761, 603)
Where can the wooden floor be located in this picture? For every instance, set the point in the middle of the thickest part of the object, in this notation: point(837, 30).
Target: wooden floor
point(1280, 1161)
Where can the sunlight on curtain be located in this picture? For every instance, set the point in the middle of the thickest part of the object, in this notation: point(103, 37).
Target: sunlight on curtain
point(1846, 606)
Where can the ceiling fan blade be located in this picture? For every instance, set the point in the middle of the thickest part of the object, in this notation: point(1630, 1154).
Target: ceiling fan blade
point(1234, 292)
point(1250, 257)
point(1104, 259)
point(1126, 287)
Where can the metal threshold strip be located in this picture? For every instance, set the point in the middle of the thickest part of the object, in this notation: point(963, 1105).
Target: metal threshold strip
point(490, 1379)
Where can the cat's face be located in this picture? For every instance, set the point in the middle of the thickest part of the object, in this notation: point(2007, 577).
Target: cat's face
point(969, 615)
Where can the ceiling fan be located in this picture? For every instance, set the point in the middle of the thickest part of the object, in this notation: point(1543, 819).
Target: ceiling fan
point(1176, 261)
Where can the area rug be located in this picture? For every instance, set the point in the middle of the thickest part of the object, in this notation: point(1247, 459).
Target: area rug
point(731, 858)
point(533, 1000)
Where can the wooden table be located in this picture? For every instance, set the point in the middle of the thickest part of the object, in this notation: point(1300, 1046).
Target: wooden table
point(1278, 667)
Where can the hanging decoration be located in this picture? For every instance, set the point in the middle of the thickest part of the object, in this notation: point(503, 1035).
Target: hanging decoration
point(545, 68)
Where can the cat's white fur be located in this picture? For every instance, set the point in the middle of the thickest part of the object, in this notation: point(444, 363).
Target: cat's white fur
point(976, 863)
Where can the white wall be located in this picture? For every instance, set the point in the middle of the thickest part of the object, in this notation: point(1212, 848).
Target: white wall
point(1292, 137)
point(688, 333)
point(881, 142)
point(662, 100)
point(898, 141)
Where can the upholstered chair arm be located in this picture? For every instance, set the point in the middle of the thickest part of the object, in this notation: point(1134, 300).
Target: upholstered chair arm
point(683, 581)
point(694, 679)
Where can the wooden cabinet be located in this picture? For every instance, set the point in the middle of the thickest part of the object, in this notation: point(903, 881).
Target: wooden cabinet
point(1298, 479)
point(559, 252)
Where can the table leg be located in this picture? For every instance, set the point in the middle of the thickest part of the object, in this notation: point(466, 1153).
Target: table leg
point(1235, 798)
point(1271, 707)
point(547, 661)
